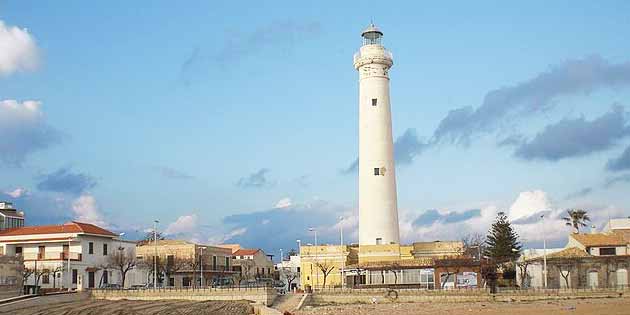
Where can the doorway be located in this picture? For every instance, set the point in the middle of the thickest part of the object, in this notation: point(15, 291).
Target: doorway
point(91, 279)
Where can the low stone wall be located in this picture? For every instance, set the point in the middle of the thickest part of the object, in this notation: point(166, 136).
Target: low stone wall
point(263, 296)
point(407, 296)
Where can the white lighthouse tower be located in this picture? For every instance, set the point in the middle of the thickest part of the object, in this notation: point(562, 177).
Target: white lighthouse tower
point(378, 206)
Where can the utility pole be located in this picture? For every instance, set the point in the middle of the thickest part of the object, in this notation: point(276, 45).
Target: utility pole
point(201, 264)
point(155, 257)
point(544, 252)
point(343, 256)
point(316, 261)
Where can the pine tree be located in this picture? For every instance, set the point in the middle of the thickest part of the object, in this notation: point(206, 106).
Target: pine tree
point(502, 243)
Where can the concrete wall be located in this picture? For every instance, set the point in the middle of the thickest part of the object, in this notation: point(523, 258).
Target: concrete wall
point(264, 296)
point(401, 296)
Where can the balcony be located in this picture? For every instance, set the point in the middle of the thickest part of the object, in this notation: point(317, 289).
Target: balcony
point(51, 256)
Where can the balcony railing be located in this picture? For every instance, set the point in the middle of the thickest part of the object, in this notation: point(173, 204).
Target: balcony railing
point(52, 256)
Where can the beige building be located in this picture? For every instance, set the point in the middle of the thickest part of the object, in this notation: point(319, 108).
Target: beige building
point(250, 264)
point(184, 264)
point(375, 264)
point(11, 268)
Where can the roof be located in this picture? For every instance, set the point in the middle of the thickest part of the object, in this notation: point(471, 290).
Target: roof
point(12, 213)
point(167, 242)
point(600, 239)
point(69, 227)
point(246, 252)
point(438, 246)
point(571, 252)
point(371, 29)
point(396, 264)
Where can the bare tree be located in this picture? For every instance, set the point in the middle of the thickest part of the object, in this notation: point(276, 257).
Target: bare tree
point(393, 268)
point(26, 273)
point(522, 267)
point(474, 245)
point(54, 273)
point(123, 261)
point(290, 276)
point(326, 268)
point(174, 264)
point(565, 270)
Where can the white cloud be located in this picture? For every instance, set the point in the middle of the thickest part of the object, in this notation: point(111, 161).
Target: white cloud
point(18, 51)
point(221, 238)
point(23, 130)
point(529, 203)
point(86, 210)
point(284, 203)
point(17, 192)
point(183, 224)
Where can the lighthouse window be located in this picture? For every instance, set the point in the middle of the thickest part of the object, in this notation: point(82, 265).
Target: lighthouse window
point(377, 171)
point(379, 241)
point(374, 102)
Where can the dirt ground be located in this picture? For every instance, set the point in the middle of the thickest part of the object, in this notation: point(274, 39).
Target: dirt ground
point(82, 305)
point(614, 306)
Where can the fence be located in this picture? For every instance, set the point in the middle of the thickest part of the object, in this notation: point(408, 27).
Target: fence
point(260, 294)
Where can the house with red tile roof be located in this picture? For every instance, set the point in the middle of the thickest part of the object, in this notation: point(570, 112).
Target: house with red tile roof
point(250, 264)
point(66, 256)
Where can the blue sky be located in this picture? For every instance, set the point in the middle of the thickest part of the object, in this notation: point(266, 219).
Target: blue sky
point(238, 120)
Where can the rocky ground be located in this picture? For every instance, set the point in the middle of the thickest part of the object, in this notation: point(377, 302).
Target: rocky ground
point(76, 304)
point(612, 306)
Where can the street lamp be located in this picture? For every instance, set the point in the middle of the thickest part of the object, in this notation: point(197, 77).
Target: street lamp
point(542, 217)
point(155, 222)
point(343, 257)
point(201, 248)
point(316, 260)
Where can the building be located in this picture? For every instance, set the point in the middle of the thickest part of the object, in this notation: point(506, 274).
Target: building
point(587, 261)
point(289, 272)
point(251, 264)
point(11, 268)
point(49, 251)
point(532, 276)
point(378, 208)
point(426, 265)
point(10, 217)
point(184, 264)
point(619, 226)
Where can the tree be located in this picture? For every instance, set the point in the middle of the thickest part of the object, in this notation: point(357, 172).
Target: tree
point(175, 263)
point(576, 218)
point(291, 252)
point(522, 267)
point(54, 273)
point(26, 273)
point(122, 261)
point(326, 269)
point(474, 245)
point(289, 275)
point(502, 243)
point(565, 268)
point(149, 237)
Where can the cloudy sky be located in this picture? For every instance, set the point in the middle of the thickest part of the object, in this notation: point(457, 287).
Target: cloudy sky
point(238, 123)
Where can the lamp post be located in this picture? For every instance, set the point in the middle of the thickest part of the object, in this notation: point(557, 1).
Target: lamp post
point(121, 256)
point(201, 248)
point(281, 257)
point(544, 252)
point(343, 257)
point(316, 260)
point(155, 222)
point(69, 270)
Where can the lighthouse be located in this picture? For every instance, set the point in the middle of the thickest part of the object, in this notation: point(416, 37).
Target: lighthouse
point(378, 206)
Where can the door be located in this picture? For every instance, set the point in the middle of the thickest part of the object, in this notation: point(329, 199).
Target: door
point(91, 279)
point(593, 279)
point(622, 277)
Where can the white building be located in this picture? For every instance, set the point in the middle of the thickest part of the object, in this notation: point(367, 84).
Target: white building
point(289, 271)
point(378, 207)
point(9, 216)
point(535, 271)
point(54, 249)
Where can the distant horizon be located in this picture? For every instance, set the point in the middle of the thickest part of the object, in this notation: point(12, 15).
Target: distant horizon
point(240, 125)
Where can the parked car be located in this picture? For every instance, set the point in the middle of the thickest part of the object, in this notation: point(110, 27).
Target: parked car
point(111, 286)
point(222, 283)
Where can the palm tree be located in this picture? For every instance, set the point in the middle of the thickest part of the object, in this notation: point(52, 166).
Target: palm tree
point(576, 218)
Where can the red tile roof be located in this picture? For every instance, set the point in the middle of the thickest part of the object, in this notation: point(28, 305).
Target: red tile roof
point(69, 227)
point(600, 239)
point(246, 252)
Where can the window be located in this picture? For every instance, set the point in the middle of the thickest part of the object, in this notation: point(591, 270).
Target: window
point(214, 262)
point(374, 102)
point(607, 251)
point(298, 269)
point(377, 171)
point(227, 263)
point(41, 254)
point(379, 241)
point(18, 250)
point(104, 249)
point(105, 277)
point(170, 260)
point(75, 275)
point(45, 279)
point(90, 248)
